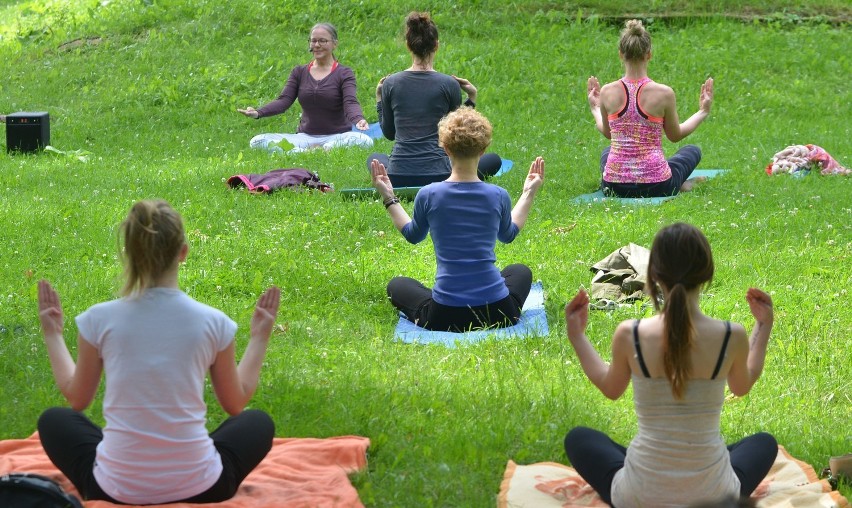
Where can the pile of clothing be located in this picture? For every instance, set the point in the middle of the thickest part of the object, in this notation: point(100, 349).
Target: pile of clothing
point(800, 159)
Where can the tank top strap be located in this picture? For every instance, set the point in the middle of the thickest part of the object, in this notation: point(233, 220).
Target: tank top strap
point(636, 345)
point(724, 348)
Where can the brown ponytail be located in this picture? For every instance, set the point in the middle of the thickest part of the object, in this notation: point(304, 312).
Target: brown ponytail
point(680, 260)
point(152, 235)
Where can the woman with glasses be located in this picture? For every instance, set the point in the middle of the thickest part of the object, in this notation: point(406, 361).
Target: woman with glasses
point(326, 91)
point(410, 104)
point(634, 112)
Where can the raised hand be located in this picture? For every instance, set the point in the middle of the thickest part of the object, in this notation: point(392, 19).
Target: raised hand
point(577, 315)
point(380, 179)
point(49, 310)
point(379, 89)
point(265, 313)
point(249, 112)
point(594, 93)
point(535, 178)
point(760, 304)
point(705, 99)
point(467, 86)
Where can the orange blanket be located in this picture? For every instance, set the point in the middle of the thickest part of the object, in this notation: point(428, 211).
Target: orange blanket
point(298, 472)
point(790, 483)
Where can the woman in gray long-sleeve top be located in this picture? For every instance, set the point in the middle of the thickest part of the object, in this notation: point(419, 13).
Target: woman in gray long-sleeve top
point(410, 104)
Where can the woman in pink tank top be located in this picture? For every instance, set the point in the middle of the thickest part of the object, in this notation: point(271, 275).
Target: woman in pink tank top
point(634, 112)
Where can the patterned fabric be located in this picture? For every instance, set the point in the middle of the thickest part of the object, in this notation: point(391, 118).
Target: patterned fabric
point(790, 483)
point(636, 154)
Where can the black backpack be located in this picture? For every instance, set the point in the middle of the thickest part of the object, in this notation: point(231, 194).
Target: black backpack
point(27, 490)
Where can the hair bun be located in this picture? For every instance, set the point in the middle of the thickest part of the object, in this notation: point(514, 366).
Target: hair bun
point(418, 20)
point(635, 27)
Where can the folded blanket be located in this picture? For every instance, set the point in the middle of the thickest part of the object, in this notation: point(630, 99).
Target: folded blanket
point(533, 323)
point(297, 472)
point(790, 483)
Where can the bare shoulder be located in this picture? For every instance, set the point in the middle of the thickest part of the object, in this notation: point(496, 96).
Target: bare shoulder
point(659, 90)
point(611, 86)
point(622, 340)
point(738, 334)
point(624, 331)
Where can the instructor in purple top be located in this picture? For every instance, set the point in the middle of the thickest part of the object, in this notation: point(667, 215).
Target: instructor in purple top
point(326, 91)
point(465, 217)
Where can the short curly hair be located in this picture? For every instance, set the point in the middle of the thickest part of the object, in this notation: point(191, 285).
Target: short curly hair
point(464, 132)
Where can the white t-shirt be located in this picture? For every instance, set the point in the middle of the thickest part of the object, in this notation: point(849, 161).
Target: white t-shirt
point(157, 349)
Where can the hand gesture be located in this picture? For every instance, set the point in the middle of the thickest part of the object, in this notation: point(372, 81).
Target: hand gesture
point(49, 310)
point(535, 178)
point(705, 99)
point(249, 112)
point(577, 315)
point(379, 89)
point(264, 314)
point(380, 179)
point(467, 86)
point(362, 125)
point(760, 304)
point(594, 93)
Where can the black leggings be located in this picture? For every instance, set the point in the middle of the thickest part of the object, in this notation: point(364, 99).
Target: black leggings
point(415, 301)
point(597, 458)
point(489, 165)
point(70, 441)
point(682, 164)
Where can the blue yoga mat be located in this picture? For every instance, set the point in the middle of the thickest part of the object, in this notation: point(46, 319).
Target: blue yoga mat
point(533, 323)
point(408, 192)
point(374, 131)
point(598, 196)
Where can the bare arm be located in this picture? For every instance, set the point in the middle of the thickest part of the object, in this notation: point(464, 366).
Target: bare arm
point(749, 360)
point(385, 189)
point(597, 107)
point(234, 384)
point(675, 130)
point(611, 379)
point(534, 181)
point(78, 381)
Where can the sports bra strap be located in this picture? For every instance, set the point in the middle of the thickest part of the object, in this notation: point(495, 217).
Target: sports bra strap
point(626, 100)
point(722, 352)
point(639, 349)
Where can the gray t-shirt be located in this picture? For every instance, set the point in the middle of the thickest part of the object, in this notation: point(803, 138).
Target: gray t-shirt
point(412, 104)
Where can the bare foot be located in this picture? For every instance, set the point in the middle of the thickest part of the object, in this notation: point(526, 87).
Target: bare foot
point(692, 182)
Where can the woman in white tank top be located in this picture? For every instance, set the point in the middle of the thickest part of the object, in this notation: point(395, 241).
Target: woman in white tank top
point(679, 362)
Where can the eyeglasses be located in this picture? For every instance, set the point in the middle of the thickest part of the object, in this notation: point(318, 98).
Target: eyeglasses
point(319, 42)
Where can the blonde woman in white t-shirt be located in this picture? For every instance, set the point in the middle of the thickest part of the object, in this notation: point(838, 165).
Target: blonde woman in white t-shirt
point(155, 346)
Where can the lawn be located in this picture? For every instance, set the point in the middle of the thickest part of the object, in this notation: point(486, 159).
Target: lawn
point(143, 104)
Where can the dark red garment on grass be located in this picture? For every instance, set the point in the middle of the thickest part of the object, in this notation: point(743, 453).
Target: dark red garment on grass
point(279, 179)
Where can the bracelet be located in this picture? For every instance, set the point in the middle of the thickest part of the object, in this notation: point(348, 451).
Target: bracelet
point(392, 201)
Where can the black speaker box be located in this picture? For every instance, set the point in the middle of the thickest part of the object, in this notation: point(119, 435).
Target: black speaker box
point(27, 131)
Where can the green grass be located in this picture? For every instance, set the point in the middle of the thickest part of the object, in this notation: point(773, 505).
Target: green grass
point(152, 102)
